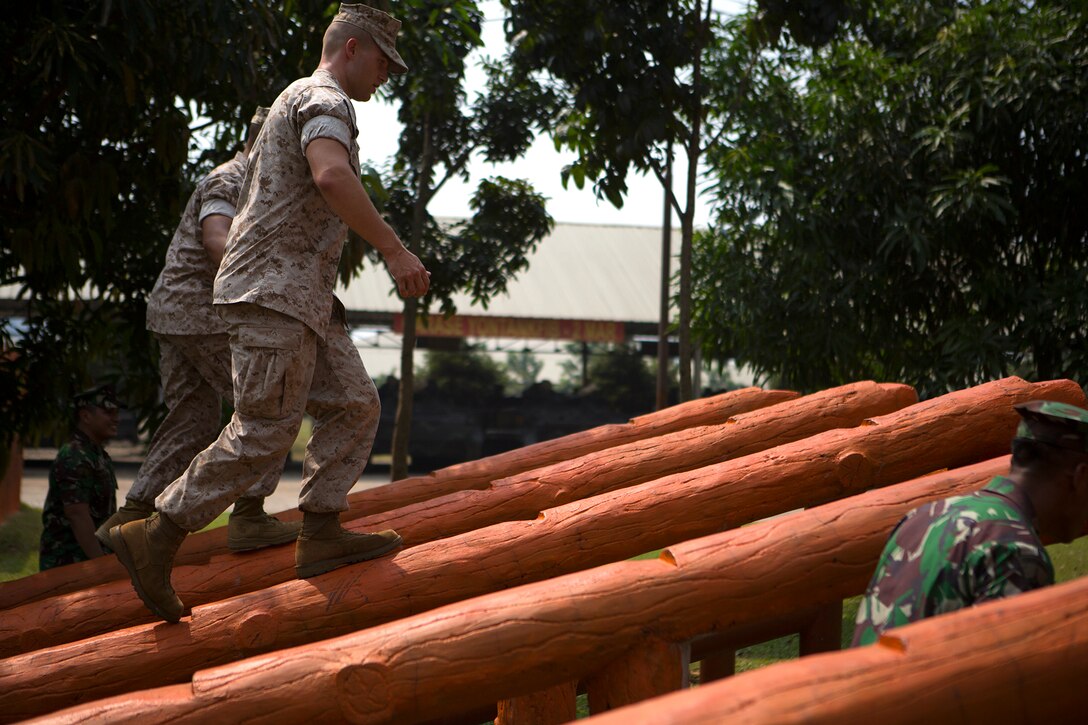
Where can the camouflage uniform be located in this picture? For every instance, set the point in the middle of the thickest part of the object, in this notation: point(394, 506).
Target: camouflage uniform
point(81, 473)
point(290, 349)
point(970, 549)
point(952, 554)
point(194, 351)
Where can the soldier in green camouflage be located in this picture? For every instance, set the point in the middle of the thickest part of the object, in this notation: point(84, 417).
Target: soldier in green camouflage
point(965, 550)
point(82, 485)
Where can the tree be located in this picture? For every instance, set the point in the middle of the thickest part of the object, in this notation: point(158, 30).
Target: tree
point(468, 375)
point(900, 203)
point(103, 103)
point(522, 369)
point(441, 133)
point(617, 374)
point(632, 73)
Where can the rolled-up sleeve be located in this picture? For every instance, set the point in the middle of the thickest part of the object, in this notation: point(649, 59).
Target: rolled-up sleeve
point(216, 206)
point(326, 127)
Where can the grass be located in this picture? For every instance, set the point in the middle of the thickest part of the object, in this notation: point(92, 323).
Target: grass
point(19, 537)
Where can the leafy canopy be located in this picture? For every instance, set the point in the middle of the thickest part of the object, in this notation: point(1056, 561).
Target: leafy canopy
point(905, 203)
point(98, 126)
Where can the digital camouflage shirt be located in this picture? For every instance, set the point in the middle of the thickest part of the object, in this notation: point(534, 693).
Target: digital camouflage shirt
point(952, 554)
point(285, 243)
point(181, 301)
point(81, 473)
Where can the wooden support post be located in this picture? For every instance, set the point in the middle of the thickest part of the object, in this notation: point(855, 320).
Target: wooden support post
point(718, 666)
point(651, 668)
point(824, 632)
point(552, 706)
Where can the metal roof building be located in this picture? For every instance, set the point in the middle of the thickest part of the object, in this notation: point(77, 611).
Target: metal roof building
point(580, 273)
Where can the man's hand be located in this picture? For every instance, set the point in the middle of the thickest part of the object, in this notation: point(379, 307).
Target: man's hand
point(412, 278)
point(79, 516)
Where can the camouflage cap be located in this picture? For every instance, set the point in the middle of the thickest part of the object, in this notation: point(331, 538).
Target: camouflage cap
point(383, 28)
point(1059, 424)
point(259, 116)
point(102, 396)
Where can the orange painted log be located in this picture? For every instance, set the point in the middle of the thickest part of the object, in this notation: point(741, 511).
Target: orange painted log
point(81, 614)
point(704, 411)
point(945, 432)
point(1022, 659)
point(459, 656)
point(200, 548)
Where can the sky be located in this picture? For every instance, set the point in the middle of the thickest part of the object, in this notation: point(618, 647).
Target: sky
point(644, 204)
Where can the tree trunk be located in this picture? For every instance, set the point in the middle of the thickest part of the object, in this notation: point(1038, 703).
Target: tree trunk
point(666, 284)
point(687, 218)
point(402, 425)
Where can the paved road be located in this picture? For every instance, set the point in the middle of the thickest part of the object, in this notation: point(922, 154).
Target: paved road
point(36, 479)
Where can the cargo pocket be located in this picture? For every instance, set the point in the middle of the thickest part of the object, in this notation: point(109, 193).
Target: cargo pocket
point(264, 383)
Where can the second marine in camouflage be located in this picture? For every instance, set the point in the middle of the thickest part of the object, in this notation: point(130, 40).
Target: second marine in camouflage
point(987, 545)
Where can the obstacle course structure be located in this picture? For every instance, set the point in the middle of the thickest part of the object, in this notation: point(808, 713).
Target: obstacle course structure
point(515, 593)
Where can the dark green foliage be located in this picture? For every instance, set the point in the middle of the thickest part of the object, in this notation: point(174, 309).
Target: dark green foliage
point(809, 22)
point(467, 376)
point(622, 379)
point(619, 64)
point(908, 209)
point(617, 374)
point(99, 116)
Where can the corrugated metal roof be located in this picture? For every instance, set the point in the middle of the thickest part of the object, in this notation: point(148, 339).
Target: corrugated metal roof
point(578, 272)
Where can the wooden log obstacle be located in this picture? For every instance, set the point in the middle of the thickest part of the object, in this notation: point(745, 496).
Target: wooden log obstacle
point(106, 607)
point(202, 547)
point(627, 623)
point(949, 431)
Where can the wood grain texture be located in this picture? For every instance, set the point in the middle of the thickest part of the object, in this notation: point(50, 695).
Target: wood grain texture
point(202, 547)
point(81, 614)
point(544, 634)
point(1017, 660)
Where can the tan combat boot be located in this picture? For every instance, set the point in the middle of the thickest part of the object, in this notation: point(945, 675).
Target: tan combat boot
point(323, 545)
point(131, 511)
point(147, 550)
point(249, 527)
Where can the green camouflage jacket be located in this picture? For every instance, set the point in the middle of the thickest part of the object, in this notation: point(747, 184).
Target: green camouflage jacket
point(952, 554)
point(81, 473)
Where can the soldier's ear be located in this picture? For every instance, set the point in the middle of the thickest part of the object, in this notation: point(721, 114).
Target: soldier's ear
point(1080, 484)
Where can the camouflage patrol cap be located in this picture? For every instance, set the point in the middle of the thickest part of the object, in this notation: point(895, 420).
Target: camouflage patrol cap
point(1059, 424)
point(383, 28)
point(102, 396)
